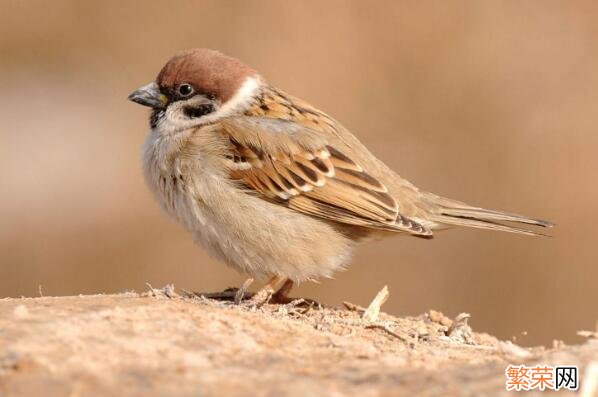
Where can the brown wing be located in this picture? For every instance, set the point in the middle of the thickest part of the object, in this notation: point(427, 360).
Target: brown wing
point(295, 166)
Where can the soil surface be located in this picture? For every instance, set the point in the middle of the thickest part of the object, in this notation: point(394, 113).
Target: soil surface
point(161, 344)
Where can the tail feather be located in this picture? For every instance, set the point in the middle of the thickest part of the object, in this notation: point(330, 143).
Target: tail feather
point(485, 224)
point(451, 212)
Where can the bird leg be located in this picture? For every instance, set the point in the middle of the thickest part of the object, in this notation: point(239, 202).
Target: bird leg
point(282, 295)
point(264, 295)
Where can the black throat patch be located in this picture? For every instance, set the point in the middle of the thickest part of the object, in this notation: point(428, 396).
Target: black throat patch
point(156, 116)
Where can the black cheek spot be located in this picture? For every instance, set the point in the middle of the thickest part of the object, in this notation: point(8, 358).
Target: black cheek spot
point(198, 111)
point(264, 107)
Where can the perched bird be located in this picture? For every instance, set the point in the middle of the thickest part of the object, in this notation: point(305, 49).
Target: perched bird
point(270, 184)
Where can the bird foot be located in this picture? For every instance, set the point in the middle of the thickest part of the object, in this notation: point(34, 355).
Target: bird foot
point(267, 294)
point(260, 298)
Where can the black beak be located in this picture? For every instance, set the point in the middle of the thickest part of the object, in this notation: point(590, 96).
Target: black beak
point(149, 95)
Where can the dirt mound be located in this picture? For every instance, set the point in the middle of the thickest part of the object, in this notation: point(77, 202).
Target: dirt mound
point(160, 343)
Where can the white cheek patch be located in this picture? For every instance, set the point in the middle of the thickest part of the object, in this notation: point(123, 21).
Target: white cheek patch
point(175, 120)
point(241, 99)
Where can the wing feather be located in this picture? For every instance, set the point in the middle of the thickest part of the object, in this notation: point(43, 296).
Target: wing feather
point(291, 163)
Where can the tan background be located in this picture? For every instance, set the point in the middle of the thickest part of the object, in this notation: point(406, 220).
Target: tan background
point(494, 103)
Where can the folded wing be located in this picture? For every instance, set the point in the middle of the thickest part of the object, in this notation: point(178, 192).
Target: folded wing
point(292, 165)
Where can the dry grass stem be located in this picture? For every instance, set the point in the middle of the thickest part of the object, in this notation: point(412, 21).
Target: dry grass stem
point(373, 311)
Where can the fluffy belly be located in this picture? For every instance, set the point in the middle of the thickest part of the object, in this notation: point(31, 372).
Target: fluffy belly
point(251, 234)
point(263, 239)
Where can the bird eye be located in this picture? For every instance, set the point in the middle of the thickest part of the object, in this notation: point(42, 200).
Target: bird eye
point(185, 89)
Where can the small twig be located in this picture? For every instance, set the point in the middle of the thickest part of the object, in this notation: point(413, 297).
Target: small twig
point(353, 307)
point(388, 331)
point(310, 306)
point(588, 334)
point(39, 289)
point(373, 311)
point(461, 331)
point(459, 322)
point(297, 302)
point(240, 294)
point(227, 294)
point(187, 293)
point(297, 307)
point(168, 291)
point(151, 289)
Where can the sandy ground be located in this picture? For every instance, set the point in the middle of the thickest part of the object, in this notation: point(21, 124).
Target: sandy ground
point(157, 345)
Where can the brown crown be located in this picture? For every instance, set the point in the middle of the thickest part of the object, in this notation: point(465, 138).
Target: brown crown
point(209, 71)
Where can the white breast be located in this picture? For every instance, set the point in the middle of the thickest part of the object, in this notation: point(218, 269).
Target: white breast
point(187, 192)
point(248, 233)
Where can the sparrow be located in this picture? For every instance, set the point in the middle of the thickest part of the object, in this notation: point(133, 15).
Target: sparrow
point(273, 186)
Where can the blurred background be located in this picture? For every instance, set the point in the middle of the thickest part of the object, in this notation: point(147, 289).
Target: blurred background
point(493, 103)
